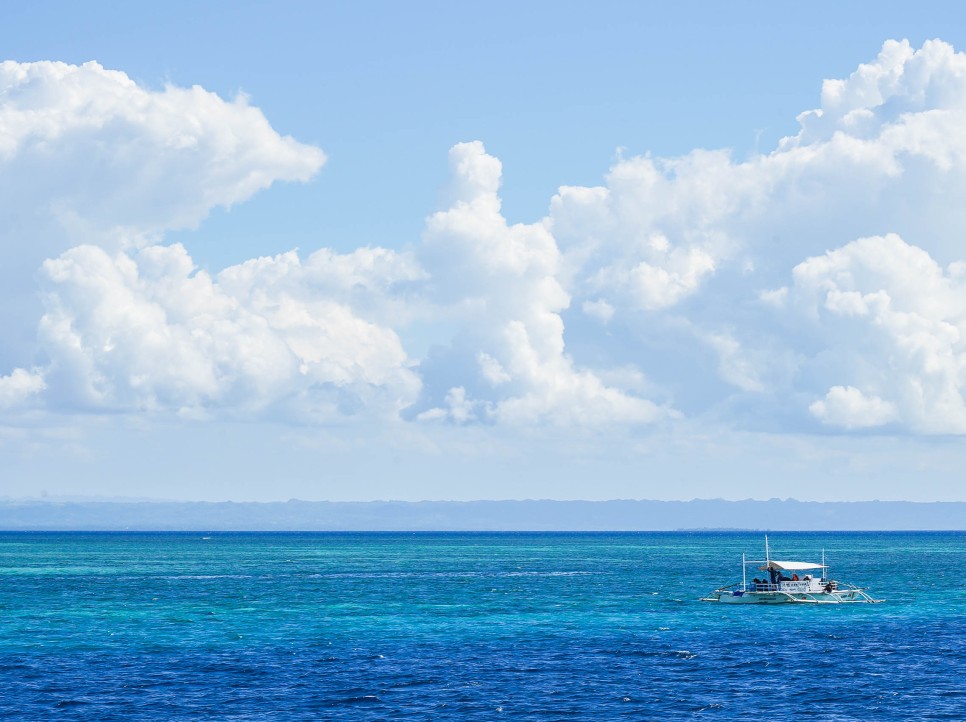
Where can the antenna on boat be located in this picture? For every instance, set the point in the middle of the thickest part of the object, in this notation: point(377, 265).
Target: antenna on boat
point(824, 570)
point(744, 578)
point(767, 558)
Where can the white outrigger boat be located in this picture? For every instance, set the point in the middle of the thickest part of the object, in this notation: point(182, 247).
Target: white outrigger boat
point(814, 587)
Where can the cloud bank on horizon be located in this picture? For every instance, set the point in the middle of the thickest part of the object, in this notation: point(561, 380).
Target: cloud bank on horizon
point(819, 287)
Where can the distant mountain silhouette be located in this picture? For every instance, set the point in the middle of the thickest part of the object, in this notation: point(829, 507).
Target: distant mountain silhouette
point(528, 515)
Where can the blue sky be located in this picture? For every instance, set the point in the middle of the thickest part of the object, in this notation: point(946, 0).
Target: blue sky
point(383, 251)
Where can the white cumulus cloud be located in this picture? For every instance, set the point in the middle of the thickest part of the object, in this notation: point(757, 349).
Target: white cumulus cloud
point(703, 245)
point(101, 154)
point(19, 386)
point(826, 276)
point(150, 332)
point(847, 406)
point(883, 153)
point(88, 156)
point(505, 278)
point(892, 322)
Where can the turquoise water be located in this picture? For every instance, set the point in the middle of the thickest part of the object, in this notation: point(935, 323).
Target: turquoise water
point(471, 626)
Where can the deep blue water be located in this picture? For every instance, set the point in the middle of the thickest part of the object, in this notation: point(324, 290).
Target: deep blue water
point(471, 626)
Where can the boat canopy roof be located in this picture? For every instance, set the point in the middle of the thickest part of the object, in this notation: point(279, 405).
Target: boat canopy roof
point(789, 566)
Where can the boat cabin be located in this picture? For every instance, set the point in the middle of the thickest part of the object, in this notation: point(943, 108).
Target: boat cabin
point(794, 577)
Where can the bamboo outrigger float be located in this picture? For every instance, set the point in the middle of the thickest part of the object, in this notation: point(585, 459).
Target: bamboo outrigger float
point(814, 587)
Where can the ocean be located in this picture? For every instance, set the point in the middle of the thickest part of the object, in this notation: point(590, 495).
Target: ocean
point(456, 626)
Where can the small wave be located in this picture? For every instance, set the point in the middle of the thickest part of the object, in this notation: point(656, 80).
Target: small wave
point(71, 703)
point(208, 576)
point(543, 574)
point(363, 698)
point(441, 575)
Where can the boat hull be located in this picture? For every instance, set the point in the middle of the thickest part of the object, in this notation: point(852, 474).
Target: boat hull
point(853, 596)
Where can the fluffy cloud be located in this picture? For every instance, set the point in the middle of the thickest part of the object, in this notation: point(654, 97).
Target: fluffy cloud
point(883, 153)
point(892, 323)
point(87, 156)
point(102, 155)
point(506, 281)
point(598, 309)
point(689, 255)
point(701, 282)
point(703, 245)
point(90, 159)
point(848, 407)
point(150, 332)
point(142, 329)
point(653, 235)
point(19, 386)
point(899, 84)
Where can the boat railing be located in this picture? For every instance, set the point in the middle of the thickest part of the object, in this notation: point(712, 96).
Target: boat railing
point(798, 587)
point(760, 587)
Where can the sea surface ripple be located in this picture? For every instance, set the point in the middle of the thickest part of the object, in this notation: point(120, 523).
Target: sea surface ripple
point(471, 626)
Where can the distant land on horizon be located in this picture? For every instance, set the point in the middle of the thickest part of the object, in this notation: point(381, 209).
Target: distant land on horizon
point(509, 515)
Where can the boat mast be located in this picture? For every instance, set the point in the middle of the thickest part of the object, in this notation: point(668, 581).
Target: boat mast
point(744, 577)
point(824, 570)
point(767, 558)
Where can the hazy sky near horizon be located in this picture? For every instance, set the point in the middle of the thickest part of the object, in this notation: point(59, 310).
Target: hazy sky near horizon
point(437, 251)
